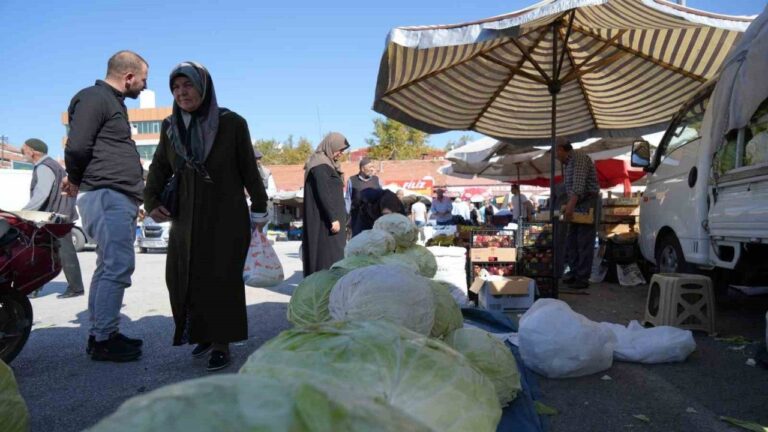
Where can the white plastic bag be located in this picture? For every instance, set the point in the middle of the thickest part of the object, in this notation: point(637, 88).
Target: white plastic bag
point(557, 342)
point(262, 267)
point(663, 344)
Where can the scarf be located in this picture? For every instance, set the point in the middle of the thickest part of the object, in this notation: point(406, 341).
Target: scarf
point(194, 142)
point(323, 155)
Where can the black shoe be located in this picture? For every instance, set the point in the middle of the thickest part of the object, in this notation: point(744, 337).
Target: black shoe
point(579, 284)
point(568, 278)
point(201, 349)
point(70, 294)
point(114, 349)
point(219, 360)
point(137, 343)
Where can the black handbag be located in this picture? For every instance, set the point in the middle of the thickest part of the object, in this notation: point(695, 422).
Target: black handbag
point(169, 197)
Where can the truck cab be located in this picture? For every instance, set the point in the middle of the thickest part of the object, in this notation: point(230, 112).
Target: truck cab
point(705, 207)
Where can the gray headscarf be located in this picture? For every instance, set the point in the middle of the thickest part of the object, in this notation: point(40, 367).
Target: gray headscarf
point(194, 143)
point(323, 155)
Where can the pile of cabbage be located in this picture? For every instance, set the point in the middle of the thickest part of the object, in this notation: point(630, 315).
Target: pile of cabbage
point(377, 346)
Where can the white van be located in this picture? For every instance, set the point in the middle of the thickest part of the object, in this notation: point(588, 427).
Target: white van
point(705, 206)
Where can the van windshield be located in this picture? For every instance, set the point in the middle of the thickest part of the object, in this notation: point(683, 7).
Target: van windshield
point(687, 128)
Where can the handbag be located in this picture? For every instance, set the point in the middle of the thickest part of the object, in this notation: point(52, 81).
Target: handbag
point(169, 197)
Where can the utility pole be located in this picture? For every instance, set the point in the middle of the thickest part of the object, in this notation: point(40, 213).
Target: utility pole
point(3, 143)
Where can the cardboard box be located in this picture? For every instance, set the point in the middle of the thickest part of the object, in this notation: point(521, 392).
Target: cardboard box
point(493, 254)
point(622, 211)
point(581, 218)
point(622, 201)
point(607, 230)
point(504, 293)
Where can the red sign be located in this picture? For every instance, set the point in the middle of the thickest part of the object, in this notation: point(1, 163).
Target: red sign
point(423, 187)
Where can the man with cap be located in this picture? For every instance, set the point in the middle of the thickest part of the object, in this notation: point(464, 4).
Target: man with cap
point(356, 184)
point(267, 179)
point(45, 195)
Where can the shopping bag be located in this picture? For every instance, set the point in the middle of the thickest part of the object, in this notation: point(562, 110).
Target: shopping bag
point(262, 267)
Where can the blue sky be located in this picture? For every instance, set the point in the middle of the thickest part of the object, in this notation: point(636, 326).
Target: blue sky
point(296, 68)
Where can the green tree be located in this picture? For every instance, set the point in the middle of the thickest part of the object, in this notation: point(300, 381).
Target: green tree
point(270, 149)
point(394, 140)
point(284, 153)
point(463, 140)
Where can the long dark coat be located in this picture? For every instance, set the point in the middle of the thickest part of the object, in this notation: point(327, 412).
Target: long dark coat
point(323, 204)
point(209, 240)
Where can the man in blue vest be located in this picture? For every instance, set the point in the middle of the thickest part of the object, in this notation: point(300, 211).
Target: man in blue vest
point(45, 195)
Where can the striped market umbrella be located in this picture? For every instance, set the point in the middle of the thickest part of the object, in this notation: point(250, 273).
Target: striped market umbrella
point(572, 68)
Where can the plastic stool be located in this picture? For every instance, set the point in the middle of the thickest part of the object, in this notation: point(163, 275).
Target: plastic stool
point(681, 300)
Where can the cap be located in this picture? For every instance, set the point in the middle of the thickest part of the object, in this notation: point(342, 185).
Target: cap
point(37, 145)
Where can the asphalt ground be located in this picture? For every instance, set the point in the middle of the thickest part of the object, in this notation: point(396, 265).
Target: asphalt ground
point(66, 391)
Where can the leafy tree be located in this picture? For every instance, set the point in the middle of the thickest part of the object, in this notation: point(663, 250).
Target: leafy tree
point(394, 140)
point(284, 153)
point(463, 140)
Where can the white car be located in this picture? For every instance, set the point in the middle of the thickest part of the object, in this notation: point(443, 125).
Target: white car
point(153, 235)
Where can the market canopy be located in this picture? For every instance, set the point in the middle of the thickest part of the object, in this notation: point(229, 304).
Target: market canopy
point(619, 68)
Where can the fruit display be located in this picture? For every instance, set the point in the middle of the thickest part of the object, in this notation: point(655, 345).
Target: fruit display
point(538, 237)
point(536, 262)
point(507, 269)
point(493, 240)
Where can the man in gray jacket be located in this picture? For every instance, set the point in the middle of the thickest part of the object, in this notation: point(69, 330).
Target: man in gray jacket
point(45, 195)
point(105, 174)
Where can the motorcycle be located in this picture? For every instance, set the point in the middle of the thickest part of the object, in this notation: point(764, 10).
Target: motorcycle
point(29, 258)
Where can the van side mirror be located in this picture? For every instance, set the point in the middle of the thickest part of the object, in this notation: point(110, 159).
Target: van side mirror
point(641, 154)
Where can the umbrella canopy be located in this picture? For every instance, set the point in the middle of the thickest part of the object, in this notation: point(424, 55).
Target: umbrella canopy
point(618, 68)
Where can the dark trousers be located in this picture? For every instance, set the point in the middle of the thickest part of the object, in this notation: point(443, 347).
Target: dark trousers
point(580, 249)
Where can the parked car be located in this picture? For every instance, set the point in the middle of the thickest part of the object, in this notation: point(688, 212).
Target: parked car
point(705, 207)
point(152, 235)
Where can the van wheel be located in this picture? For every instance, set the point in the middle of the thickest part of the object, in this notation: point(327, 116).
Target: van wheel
point(78, 239)
point(669, 256)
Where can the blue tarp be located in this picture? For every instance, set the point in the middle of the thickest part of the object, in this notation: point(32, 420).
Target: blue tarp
point(520, 415)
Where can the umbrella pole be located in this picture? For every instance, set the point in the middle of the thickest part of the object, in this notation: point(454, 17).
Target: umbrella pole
point(554, 89)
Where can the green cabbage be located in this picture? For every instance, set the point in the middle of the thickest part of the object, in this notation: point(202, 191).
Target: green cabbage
point(492, 357)
point(423, 257)
point(355, 262)
point(309, 301)
point(14, 416)
point(401, 260)
point(447, 313)
point(402, 229)
point(371, 242)
point(419, 375)
point(244, 403)
point(384, 292)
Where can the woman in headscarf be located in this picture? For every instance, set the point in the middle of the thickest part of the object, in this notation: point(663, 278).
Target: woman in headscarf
point(325, 213)
point(210, 149)
point(375, 203)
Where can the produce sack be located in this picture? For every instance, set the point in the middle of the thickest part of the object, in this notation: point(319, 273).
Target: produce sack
point(663, 344)
point(262, 267)
point(421, 376)
point(384, 292)
point(244, 403)
point(557, 342)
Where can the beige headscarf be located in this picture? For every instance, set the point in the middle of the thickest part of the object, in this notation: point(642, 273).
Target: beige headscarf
point(323, 154)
